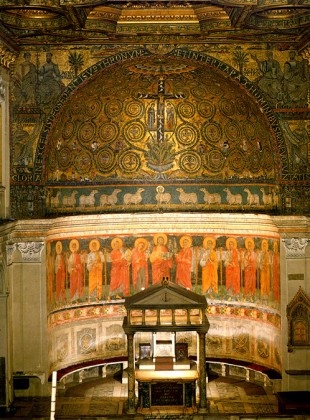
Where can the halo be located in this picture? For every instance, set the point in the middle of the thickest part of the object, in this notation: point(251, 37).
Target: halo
point(114, 240)
point(58, 247)
point(231, 240)
point(249, 241)
point(94, 245)
point(206, 240)
point(160, 189)
point(141, 241)
point(76, 242)
point(160, 235)
point(184, 238)
point(264, 241)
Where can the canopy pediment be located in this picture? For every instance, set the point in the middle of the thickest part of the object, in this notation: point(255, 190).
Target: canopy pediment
point(166, 295)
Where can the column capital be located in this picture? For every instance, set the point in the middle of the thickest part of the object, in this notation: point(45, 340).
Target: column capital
point(295, 247)
point(30, 251)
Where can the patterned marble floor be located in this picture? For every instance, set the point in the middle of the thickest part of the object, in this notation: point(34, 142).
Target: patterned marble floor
point(108, 397)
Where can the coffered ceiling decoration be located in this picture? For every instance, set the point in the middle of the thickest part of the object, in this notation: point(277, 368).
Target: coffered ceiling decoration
point(45, 22)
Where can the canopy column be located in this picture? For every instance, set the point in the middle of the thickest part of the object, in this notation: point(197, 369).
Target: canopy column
point(131, 374)
point(202, 373)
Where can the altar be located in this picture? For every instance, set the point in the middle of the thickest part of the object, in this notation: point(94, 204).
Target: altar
point(167, 378)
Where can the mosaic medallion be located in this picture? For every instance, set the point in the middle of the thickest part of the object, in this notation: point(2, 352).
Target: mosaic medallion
point(108, 132)
point(134, 131)
point(227, 107)
point(241, 106)
point(187, 134)
point(199, 92)
point(206, 109)
point(212, 132)
point(93, 107)
point(86, 132)
point(134, 109)
point(236, 160)
point(249, 130)
point(190, 162)
point(214, 160)
point(232, 130)
point(68, 129)
point(186, 109)
point(78, 107)
point(130, 162)
point(83, 162)
point(105, 159)
point(113, 108)
point(214, 89)
point(64, 158)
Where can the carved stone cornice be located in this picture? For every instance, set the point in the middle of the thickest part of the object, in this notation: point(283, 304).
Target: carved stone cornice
point(295, 247)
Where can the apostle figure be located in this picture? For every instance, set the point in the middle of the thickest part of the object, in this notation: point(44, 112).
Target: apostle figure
point(232, 267)
point(161, 259)
point(75, 269)
point(265, 272)
point(209, 264)
point(184, 260)
point(60, 273)
point(50, 274)
point(139, 261)
point(95, 261)
point(120, 259)
point(276, 272)
point(249, 268)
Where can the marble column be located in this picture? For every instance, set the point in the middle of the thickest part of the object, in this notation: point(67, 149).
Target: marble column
point(131, 374)
point(202, 374)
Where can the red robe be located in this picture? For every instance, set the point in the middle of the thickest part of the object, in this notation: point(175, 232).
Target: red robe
point(119, 282)
point(139, 268)
point(160, 266)
point(233, 272)
point(184, 266)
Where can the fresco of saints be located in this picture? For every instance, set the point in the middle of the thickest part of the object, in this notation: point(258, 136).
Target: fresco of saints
point(265, 267)
point(120, 259)
point(209, 264)
point(139, 261)
point(60, 273)
point(161, 259)
point(276, 272)
point(249, 268)
point(232, 266)
point(50, 274)
point(95, 260)
point(75, 269)
point(184, 260)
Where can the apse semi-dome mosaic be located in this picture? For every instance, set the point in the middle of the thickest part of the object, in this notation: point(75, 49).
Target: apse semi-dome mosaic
point(161, 131)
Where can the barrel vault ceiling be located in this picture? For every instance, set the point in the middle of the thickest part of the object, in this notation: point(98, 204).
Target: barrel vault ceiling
point(49, 22)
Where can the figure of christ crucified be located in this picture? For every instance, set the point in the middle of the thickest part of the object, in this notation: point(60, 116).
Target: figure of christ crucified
point(160, 98)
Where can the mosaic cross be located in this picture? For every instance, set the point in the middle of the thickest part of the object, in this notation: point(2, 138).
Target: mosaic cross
point(160, 97)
